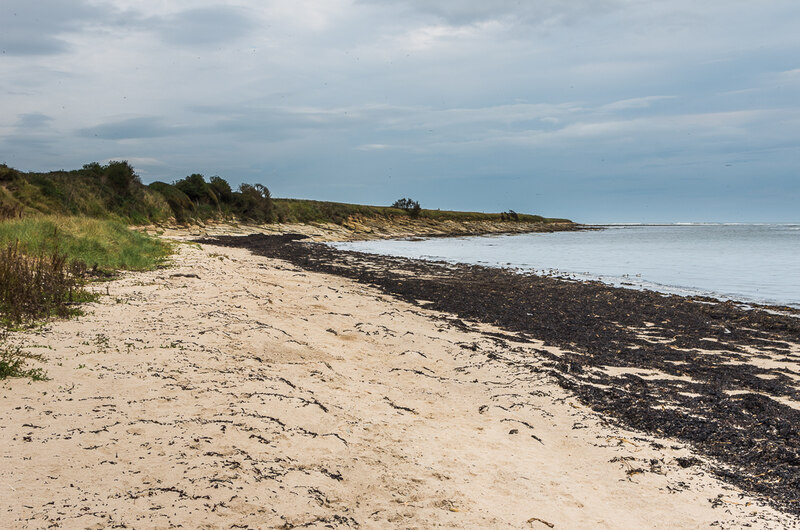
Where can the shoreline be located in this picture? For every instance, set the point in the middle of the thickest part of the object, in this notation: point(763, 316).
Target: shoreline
point(709, 373)
point(234, 389)
point(365, 229)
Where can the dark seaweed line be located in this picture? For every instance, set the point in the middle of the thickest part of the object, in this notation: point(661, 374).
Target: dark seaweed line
point(752, 437)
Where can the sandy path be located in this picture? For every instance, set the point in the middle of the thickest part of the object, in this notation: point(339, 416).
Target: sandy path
point(237, 391)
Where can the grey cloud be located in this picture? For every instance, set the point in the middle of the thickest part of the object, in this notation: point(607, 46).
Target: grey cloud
point(204, 26)
point(462, 12)
point(131, 128)
point(33, 120)
point(35, 28)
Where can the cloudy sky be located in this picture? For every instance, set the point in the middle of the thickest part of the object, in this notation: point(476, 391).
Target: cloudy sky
point(597, 110)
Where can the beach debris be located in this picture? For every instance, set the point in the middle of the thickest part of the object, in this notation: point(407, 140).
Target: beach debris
point(399, 407)
point(184, 275)
point(538, 520)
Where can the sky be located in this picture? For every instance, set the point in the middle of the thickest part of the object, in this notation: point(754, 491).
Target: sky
point(595, 110)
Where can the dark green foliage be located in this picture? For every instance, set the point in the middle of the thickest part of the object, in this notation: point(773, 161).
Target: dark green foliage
point(112, 190)
point(411, 206)
point(221, 189)
point(405, 204)
point(194, 198)
point(254, 203)
point(120, 177)
point(181, 205)
point(198, 190)
point(510, 215)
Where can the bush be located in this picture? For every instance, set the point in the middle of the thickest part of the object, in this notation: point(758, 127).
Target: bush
point(411, 206)
point(253, 202)
point(221, 189)
point(36, 286)
point(198, 190)
point(120, 176)
point(181, 205)
point(12, 362)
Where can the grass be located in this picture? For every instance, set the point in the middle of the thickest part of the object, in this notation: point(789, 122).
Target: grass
point(98, 243)
point(34, 287)
point(110, 191)
point(309, 211)
point(45, 262)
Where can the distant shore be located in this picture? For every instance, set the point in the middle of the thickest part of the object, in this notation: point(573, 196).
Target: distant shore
point(360, 229)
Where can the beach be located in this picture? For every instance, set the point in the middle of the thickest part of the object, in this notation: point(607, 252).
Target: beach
point(294, 386)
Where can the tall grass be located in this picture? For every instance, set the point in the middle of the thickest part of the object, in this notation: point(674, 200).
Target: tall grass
point(98, 243)
point(44, 264)
point(38, 286)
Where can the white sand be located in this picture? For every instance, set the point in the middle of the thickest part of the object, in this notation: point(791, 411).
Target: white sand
point(260, 395)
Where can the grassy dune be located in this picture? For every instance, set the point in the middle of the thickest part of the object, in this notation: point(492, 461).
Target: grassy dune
point(98, 243)
point(45, 262)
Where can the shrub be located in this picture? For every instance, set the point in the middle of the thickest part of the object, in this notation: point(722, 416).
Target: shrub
point(254, 202)
point(197, 189)
point(221, 189)
point(411, 206)
point(12, 362)
point(37, 286)
point(181, 205)
point(120, 177)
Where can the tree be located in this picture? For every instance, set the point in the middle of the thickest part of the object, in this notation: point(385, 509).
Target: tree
point(222, 189)
point(254, 202)
point(409, 205)
point(195, 187)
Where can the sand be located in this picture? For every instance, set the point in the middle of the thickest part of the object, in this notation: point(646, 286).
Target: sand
point(232, 390)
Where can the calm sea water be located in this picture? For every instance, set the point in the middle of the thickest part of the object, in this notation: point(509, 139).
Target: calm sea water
point(751, 263)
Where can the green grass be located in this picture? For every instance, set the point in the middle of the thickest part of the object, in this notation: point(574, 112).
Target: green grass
point(110, 191)
point(308, 211)
point(44, 265)
point(98, 243)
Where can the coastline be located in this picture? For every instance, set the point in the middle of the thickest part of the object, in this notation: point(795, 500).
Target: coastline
point(710, 373)
point(239, 389)
point(361, 229)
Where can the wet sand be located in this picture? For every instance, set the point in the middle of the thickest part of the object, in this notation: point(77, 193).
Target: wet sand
point(238, 390)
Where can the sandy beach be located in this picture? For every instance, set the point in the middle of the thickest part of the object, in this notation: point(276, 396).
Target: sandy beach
point(233, 390)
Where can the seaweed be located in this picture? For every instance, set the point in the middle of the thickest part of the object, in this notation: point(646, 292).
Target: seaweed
point(703, 387)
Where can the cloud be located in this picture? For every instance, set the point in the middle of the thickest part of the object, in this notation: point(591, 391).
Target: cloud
point(37, 28)
point(44, 27)
point(132, 128)
point(466, 12)
point(33, 120)
point(206, 26)
point(635, 103)
point(372, 147)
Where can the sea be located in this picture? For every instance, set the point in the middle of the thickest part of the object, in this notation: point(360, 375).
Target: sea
point(750, 263)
